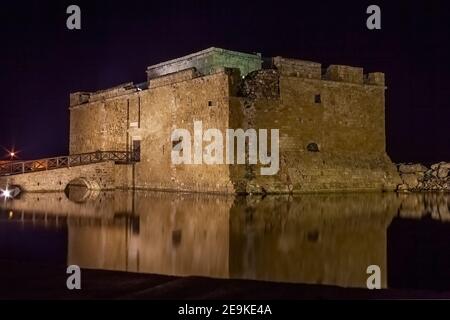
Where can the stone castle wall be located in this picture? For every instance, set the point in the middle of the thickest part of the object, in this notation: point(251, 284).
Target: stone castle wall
point(332, 134)
point(331, 123)
point(152, 115)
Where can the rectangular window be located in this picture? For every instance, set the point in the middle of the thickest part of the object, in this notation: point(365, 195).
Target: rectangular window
point(317, 98)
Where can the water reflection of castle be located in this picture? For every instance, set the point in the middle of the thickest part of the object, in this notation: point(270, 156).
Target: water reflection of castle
point(326, 238)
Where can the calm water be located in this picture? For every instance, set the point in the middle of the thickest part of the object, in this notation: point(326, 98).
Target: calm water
point(317, 239)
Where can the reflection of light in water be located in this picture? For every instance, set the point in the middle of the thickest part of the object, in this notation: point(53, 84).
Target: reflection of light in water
point(327, 238)
point(314, 239)
point(78, 191)
point(6, 193)
point(10, 192)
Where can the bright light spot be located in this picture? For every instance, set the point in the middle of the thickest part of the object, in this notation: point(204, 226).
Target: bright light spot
point(11, 214)
point(12, 154)
point(6, 193)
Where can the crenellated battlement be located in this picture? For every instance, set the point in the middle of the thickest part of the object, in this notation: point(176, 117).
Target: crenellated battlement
point(344, 74)
point(83, 97)
point(297, 68)
point(314, 70)
point(214, 60)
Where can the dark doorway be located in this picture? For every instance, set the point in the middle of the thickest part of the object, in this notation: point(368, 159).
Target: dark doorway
point(136, 150)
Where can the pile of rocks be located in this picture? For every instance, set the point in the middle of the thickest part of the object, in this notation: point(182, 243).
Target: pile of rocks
point(261, 84)
point(417, 177)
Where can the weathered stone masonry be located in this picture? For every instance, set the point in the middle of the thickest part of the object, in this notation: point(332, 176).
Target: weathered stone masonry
point(97, 176)
point(331, 122)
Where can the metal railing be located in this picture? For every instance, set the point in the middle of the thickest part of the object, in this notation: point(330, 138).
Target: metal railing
point(11, 168)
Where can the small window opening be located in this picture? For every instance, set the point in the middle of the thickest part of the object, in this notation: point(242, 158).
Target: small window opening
point(212, 103)
point(312, 147)
point(317, 98)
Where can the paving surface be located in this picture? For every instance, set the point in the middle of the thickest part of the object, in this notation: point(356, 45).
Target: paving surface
point(25, 281)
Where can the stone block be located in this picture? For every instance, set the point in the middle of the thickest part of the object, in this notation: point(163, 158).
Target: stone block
point(345, 74)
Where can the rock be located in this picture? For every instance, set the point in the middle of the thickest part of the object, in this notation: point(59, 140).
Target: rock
point(441, 164)
point(420, 175)
point(261, 84)
point(417, 177)
point(435, 166)
point(410, 179)
point(411, 168)
point(442, 172)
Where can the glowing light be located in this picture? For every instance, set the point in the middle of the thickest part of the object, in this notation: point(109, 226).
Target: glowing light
point(12, 154)
point(6, 193)
point(11, 214)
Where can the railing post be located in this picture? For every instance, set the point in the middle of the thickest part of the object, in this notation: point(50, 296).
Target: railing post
point(23, 167)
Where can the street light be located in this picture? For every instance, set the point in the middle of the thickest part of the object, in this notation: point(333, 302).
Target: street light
point(12, 155)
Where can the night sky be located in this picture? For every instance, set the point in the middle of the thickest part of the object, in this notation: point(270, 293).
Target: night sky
point(42, 61)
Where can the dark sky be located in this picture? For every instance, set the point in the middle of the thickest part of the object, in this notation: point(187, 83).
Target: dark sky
point(42, 61)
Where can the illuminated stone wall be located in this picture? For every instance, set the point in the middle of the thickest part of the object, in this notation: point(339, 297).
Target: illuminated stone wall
point(152, 115)
point(332, 130)
point(100, 176)
point(331, 122)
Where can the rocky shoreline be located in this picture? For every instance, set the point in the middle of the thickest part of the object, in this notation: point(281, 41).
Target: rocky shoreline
point(417, 177)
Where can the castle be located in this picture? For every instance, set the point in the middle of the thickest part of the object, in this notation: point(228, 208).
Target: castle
point(331, 123)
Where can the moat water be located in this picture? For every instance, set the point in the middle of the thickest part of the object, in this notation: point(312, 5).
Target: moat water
point(314, 238)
